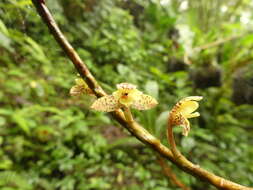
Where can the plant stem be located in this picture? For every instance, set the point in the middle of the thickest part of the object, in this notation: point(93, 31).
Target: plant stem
point(128, 114)
point(169, 173)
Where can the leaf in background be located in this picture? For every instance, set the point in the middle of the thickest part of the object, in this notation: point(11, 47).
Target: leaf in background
point(35, 50)
point(2, 121)
point(5, 164)
point(9, 179)
point(123, 70)
point(5, 42)
point(161, 122)
point(188, 143)
point(152, 89)
point(3, 28)
point(247, 40)
point(5, 112)
point(21, 122)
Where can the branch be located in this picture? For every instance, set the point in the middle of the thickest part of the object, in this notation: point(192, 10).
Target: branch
point(196, 170)
point(67, 48)
point(220, 42)
point(213, 44)
point(168, 172)
point(134, 128)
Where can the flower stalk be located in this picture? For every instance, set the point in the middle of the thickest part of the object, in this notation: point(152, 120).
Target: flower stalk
point(178, 116)
point(128, 114)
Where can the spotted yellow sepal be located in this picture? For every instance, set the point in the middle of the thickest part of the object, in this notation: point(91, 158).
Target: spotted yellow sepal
point(80, 88)
point(184, 110)
point(126, 95)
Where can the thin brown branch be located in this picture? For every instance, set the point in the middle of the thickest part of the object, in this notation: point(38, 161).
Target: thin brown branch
point(214, 44)
point(220, 41)
point(196, 170)
point(67, 48)
point(134, 128)
point(169, 173)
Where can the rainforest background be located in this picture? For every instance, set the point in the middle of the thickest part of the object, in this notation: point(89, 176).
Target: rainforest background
point(169, 48)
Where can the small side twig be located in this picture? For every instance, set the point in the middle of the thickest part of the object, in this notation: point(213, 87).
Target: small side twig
point(219, 42)
point(213, 44)
point(169, 173)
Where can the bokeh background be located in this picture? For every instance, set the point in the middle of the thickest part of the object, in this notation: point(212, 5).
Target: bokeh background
point(169, 48)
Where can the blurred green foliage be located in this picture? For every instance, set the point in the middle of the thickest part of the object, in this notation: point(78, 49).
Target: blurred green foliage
point(49, 140)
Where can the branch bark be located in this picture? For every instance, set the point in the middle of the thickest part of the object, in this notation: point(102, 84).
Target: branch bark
point(134, 128)
point(169, 173)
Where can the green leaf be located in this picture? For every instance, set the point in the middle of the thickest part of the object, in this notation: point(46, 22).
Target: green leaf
point(161, 122)
point(152, 89)
point(5, 164)
point(21, 122)
point(2, 121)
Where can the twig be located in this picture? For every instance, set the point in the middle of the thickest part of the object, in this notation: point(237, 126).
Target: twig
point(128, 114)
point(169, 173)
point(219, 42)
point(134, 128)
point(214, 44)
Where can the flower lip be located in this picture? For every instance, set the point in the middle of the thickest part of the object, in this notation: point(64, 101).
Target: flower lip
point(126, 96)
point(188, 107)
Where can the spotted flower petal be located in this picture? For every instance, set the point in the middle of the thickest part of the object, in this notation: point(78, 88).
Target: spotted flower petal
point(125, 85)
point(106, 104)
point(144, 102)
point(80, 88)
point(126, 95)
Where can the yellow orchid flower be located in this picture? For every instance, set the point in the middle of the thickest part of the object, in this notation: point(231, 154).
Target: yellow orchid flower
point(126, 95)
point(80, 88)
point(184, 110)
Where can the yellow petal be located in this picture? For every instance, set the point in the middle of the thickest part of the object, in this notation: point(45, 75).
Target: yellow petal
point(78, 90)
point(80, 81)
point(117, 94)
point(144, 102)
point(186, 127)
point(188, 107)
point(195, 114)
point(106, 104)
point(192, 98)
point(127, 96)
